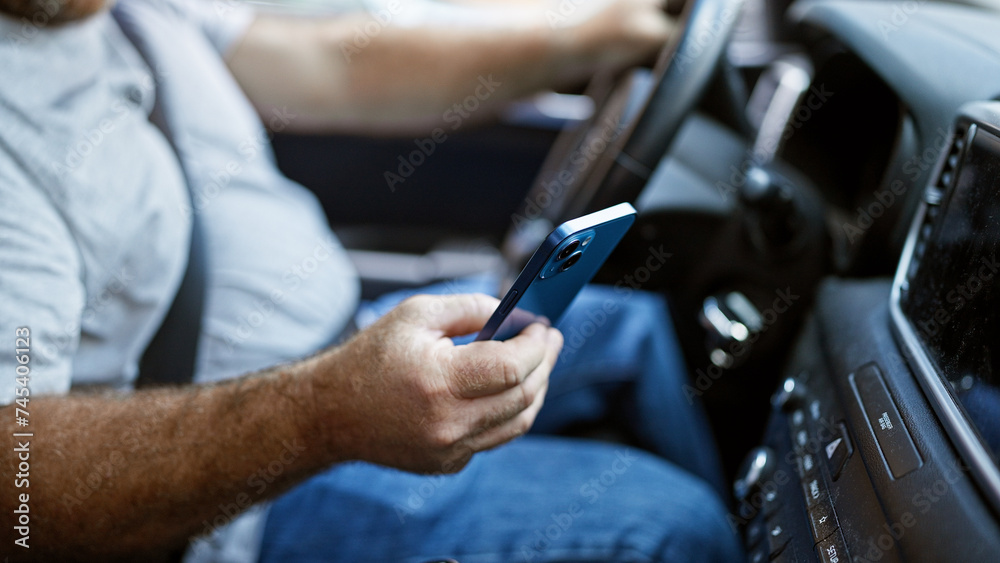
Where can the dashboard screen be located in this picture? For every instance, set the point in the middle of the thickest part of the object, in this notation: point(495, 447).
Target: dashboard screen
point(953, 302)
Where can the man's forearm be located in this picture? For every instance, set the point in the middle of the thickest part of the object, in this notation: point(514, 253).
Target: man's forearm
point(412, 76)
point(133, 476)
point(124, 475)
point(403, 78)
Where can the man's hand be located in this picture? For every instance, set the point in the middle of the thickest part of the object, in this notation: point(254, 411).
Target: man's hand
point(618, 33)
point(402, 394)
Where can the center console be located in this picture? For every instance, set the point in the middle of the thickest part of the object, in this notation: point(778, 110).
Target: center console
point(884, 436)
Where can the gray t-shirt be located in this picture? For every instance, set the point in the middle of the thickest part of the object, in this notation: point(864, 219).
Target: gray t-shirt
point(105, 125)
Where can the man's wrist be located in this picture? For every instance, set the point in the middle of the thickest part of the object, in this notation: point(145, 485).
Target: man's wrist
point(603, 33)
point(326, 422)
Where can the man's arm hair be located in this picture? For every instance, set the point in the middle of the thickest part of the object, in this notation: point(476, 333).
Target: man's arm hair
point(135, 475)
point(330, 77)
point(132, 476)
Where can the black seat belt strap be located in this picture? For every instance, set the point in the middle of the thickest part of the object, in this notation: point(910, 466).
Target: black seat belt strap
point(170, 358)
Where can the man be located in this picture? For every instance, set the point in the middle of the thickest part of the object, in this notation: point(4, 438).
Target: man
point(121, 127)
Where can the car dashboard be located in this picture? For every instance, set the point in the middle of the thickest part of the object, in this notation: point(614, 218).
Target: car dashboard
point(884, 432)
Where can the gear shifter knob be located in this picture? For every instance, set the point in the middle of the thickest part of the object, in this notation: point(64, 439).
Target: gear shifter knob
point(773, 218)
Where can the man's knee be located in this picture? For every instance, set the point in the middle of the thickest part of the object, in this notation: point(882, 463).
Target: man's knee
point(703, 532)
point(682, 517)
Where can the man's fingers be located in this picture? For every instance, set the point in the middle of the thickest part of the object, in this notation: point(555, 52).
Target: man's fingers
point(491, 367)
point(453, 315)
point(508, 430)
point(513, 428)
point(498, 409)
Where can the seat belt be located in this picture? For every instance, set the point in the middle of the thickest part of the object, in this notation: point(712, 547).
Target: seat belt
point(170, 358)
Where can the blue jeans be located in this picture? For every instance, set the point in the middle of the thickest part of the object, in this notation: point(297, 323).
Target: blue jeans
point(541, 498)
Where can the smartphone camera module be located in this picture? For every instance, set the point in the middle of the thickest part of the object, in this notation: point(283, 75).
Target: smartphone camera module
point(573, 259)
point(567, 250)
point(568, 254)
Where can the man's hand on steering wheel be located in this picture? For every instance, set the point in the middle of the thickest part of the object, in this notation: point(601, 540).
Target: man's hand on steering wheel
point(590, 167)
point(592, 34)
point(616, 33)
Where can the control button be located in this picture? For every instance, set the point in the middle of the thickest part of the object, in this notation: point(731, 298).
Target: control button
point(771, 503)
point(756, 468)
point(894, 440)
point(833, 549)
point(791, 393)
point(814, 410)
point(836, 451)
point(510, 302)
point(807, 466)
point(814, 490)
point(822, 518)
point(933, 196)
point(801, 438)
point(798, 418)
point(777, 537)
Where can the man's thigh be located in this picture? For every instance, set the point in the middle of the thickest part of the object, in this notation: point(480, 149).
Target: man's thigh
point(536, 499)
point(621, 361)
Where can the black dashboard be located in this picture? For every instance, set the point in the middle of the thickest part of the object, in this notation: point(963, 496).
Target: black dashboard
point(884, 434)
point(882, 445)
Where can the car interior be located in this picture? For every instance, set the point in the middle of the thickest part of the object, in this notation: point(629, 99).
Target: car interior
point(824, 176)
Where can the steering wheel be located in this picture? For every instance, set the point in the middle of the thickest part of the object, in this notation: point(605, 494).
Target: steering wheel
point(609, 159)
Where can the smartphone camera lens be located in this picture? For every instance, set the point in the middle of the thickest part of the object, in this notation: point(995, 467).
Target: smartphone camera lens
point(567, 250)
point(573, 259)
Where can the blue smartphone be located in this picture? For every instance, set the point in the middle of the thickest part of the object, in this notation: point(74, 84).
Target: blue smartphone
point(560, 267)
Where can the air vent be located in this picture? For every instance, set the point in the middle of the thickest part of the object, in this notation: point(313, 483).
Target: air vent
point(933, 196)
point(951, 163)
